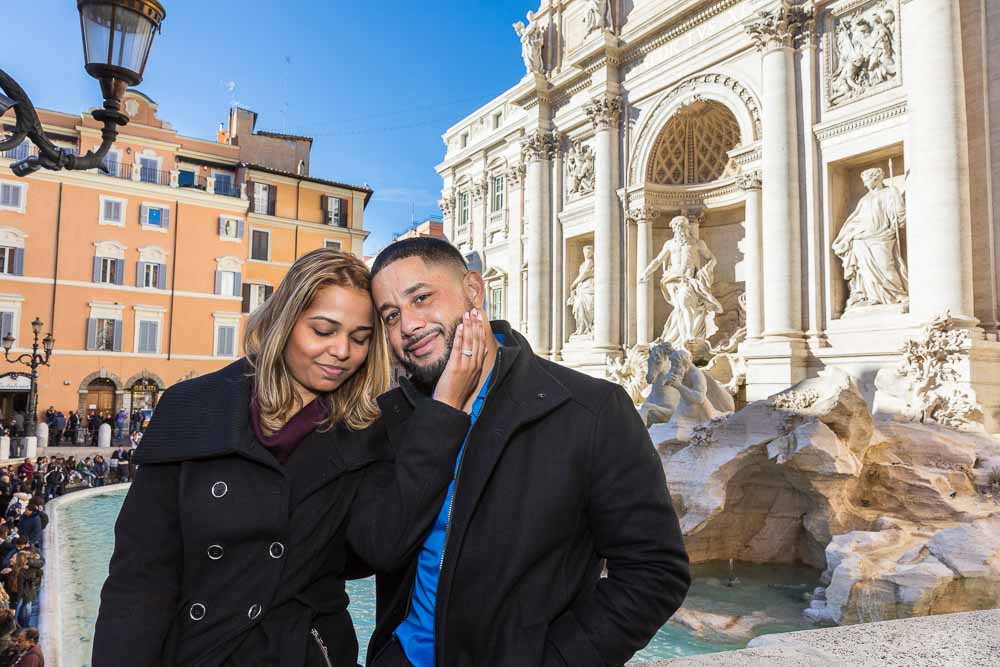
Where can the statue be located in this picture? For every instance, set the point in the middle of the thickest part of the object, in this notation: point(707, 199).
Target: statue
point(598, 16)
point(680, 392)
point(865, 53)
point(869, 245)
point(532, 40)
point(688, 273)
point(581, 297)
point(580, 166)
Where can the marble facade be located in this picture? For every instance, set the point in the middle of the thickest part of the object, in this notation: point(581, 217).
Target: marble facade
point(761, 122)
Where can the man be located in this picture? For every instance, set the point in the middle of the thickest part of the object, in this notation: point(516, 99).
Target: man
point(29, 652)
point(30, 526)
point(556, 475)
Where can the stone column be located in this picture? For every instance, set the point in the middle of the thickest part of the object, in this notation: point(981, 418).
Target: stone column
point(603, 113)
point(774, 33)
point(481, 194)
point(750, 183)
point(643, 219)
point(447, 206)
point(514, 180)
point(558, 295)
point(938, 216)
point(538, 147)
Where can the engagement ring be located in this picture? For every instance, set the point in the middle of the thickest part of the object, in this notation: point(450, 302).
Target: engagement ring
point(467, 353)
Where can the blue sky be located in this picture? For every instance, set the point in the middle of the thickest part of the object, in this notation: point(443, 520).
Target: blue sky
point(375, 83)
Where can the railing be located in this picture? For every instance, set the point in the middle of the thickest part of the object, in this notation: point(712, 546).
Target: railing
point(19, 152)
point(118, 170)
point(262, 208)
point(228, 190)
point(147, 175)
point(198, 182)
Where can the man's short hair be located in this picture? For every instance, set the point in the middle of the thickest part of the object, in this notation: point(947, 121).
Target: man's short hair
point(431, 250)
point(31, 634)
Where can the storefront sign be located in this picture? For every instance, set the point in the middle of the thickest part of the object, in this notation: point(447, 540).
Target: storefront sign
point(15, 382)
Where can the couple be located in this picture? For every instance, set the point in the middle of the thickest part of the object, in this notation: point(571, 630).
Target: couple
point(487, 492)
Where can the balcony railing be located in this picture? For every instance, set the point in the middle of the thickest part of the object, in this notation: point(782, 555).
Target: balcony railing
point(263, 207)
point(19, 152)
point(118, 170)
point(149, 175)
point(228, 189)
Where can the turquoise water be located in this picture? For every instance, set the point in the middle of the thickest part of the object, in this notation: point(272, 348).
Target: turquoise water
point(87, 538)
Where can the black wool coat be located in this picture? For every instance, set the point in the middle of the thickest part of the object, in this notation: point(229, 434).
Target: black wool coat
point(225, 557)
point(558, 476)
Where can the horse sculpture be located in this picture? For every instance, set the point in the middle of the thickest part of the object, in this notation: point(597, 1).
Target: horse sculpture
point(680, 391)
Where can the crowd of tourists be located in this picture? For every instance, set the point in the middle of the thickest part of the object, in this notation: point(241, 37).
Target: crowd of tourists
point(73, 429)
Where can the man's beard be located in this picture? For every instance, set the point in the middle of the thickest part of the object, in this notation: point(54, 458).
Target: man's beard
point(425, 377)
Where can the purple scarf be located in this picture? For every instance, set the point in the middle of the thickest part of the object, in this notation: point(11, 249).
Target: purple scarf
point(283, 442)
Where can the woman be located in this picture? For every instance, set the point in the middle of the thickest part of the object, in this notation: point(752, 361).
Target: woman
point(257, 483)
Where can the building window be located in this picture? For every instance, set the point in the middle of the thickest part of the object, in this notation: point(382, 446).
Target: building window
point(113, 211)
point(498, 193)
point(147, 337)
point(230, 228)
point(227, 283)
point(335, 210)
point(109, 270)
point(336, 245)
point(224, 184)
point(186, 178)
point(149, 170)
point(463, 209)
point(225, 340)
point(12, 196)
point(12, 261)
point(496, 303)
point(463, 140)
point(157, 217)
point(260, 244)
point(104, 334)
point(151, 275)
point(497, 119)
point(255, 295)
point(262, 199)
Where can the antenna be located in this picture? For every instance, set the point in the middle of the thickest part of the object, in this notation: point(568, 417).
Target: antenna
point(284, 94)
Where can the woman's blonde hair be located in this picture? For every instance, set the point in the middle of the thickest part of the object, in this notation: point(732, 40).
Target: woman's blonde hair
point(269, 328)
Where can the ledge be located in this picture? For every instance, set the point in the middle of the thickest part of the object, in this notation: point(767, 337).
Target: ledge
point(970, 639)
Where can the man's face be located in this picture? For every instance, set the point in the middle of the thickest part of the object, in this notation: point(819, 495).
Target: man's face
point(422, 305)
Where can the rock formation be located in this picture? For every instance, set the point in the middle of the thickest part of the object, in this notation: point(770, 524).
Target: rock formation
point(897, 514)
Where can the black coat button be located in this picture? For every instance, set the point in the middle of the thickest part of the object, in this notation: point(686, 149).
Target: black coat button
point(219, 489)
point(215, 552)
point(277, 550)
point(197, 611)
point(254, 612)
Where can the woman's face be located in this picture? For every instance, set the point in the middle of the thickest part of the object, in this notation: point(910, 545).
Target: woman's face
point(330, 340)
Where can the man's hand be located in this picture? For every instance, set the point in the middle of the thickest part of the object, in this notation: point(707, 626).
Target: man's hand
point(465, 365)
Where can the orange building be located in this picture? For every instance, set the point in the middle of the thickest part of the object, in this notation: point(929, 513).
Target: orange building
point(145, 275)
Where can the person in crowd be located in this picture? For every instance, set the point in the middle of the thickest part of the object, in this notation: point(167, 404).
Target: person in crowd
point(113, 464)
point(30, 653)
point(28, 584)
point(120, 420)
point(124, 463)
point(30, 525)
point(100, 470)
point(72, 427)
point(6, 491)
point(273, 464)
point(38, 475)
point(8, 631)
point(57, 428)
point(26, 470)
point(85, 469)
point(55, 481)
point(93, 424)
point(19, 423)
point(559, 459)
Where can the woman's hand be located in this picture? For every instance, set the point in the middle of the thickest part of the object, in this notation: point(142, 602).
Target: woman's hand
point(463, 372)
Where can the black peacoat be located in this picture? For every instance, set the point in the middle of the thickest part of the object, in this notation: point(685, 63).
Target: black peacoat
point(225, 557)
point(558, 476)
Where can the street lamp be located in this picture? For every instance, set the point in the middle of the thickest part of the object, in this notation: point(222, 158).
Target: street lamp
point(117, 37)
point(34, 360)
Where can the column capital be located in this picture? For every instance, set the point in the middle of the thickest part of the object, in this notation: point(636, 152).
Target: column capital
point(447, 206)
point(783, 26)
point(641, 215)
point(749, 180)
point(538, 145)
point(515, 174)
point(604, 111)
point(480, 187)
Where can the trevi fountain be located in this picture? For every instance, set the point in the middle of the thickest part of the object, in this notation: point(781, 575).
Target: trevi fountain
point(774, 224)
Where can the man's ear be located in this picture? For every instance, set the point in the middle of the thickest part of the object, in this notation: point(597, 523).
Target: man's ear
point(474, 288)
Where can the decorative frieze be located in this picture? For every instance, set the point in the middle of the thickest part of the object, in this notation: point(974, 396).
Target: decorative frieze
point(862, 50)
point(749, 180)
point(604, 112)
point(780, 27)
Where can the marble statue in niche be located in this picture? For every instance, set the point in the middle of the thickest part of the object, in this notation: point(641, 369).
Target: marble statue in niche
point(870, 245)
point(580, 168)
point(688, 274)
point(581, 295)
point(532, 41)
point(597, 16)
point(864, 54)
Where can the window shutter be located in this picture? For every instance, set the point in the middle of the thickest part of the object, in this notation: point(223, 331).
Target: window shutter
point(324, 204)
point(119, 271)
point(343, 213)
point(144, 215)
point(239, 229)
point(7, 324)
point(237, 281)
point(91, 334)
point(140, 274)
point(268, 291)
point(165, 218)
point(218, 282)
point(222, 226)
point(272, 200)
point(161, 278)
point(18, 268)
point(97, 269)
point(246, 298)
point(118, 336)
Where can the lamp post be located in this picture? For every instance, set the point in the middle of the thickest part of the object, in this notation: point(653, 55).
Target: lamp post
point(117, 37)
point(33, 360)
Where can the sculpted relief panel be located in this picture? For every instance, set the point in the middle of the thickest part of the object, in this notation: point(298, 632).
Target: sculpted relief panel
point(862, 47)
point(580, 169)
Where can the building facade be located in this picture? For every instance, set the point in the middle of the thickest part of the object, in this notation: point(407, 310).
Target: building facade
point(834, 162)
point(145, 274)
